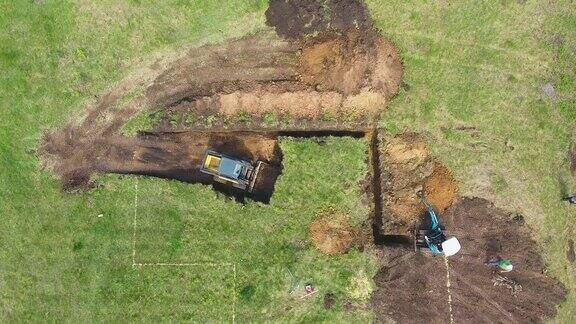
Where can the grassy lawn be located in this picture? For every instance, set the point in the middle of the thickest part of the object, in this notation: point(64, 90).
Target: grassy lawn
point(480, 65)
point(483, 65)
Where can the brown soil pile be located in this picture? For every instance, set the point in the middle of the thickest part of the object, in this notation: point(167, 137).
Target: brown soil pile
point(301, 18)
point(412, 286)
point(355, 74)
point(331, 233)
point(441, 188)
point(407, 168)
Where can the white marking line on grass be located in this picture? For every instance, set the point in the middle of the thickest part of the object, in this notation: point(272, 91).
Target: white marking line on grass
point(134, 223)
point(448, 284)
point(234, 294)
point(171, 264)
point(208, 264)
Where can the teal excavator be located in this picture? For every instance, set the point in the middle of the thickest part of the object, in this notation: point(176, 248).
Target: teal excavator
point(434, 239)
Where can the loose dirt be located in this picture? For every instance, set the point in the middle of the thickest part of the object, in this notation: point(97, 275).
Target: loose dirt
point(353, 75)
point(331, 233)
point(329, 300)
point(301, 18)
point(419, 281)
point(441, 188)
point(407, 168)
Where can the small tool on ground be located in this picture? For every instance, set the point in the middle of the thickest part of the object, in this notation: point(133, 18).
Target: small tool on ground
point(503, 265)
point(309, 289)
point(434, 239)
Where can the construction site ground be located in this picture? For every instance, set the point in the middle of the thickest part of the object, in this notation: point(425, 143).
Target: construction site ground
point(335, 204)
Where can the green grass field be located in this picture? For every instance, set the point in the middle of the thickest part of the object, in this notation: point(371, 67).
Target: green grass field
point(478, 64)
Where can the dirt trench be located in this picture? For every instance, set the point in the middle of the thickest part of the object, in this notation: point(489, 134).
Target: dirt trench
point(406, 168)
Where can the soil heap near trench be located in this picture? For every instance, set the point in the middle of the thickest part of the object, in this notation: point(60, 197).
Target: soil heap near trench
point(331, 233)
point(341, 67)
point(418, 281)
point(407, 168)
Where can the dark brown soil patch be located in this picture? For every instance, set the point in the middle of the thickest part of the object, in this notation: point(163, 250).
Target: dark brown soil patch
point(570, 254)
point(329, 300)
point(407, 168)
point(331, 233)
point(301, 18)
point(412, 286)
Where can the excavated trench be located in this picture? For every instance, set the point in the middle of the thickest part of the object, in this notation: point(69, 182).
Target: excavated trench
point(179, 156)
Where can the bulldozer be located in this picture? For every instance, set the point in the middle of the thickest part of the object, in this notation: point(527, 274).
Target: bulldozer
point(434, 239)
point(226, 169)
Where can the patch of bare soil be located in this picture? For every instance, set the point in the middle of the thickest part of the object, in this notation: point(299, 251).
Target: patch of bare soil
point(301, 18)
point(411, 287)
point(331, 233)
point(407, 168)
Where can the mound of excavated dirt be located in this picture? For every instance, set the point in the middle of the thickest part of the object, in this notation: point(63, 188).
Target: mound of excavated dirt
point(411, 287)
point(346, 69)
point(407, 168)
point(301, 18)
point(331, 233)
point(351, 62)
point(354, 74)
point(440, 188)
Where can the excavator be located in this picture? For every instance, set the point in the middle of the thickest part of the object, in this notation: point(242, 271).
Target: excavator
point(433, 239)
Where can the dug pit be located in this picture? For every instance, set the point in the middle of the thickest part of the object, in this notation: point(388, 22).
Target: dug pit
point(176, 156)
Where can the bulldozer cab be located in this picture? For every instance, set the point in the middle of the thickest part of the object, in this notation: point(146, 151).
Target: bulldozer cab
point(231, 168)
point(226, 169)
